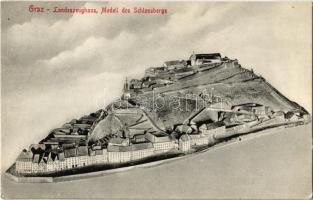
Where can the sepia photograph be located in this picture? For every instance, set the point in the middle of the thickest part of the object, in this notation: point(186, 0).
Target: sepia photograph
point(156, 100)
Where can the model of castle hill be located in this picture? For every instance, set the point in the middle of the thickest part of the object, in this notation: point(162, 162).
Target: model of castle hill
point(183, 107)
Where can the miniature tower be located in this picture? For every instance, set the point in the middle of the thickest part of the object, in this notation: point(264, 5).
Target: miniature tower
point(126, 92)
point(193, 59)
point(126, 86)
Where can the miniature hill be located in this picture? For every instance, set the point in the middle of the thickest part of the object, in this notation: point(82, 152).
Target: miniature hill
point(183, 107)
point(171, 94)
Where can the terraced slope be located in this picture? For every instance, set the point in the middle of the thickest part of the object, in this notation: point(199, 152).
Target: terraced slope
point(232, 84)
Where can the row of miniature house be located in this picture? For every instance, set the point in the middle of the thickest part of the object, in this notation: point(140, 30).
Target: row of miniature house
point(112, 155)
point(76, 128)
point(115, 153)
point(121, 151)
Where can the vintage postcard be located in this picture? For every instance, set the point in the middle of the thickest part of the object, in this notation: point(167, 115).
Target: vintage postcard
point(156, 100)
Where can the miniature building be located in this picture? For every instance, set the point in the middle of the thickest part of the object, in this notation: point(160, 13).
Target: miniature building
point(135, 84)
point(184, 74)
point(37, 147)
point(162, 81)
point(219, 104)
point(290, 116)
point(51, 163)
point(184, 129)
point(175, 64)
point(184, 143)
point(252, 108)
point(120, 154)
point(98, 158)
point(150, 72)
point(187, 141)
point(306, 118)
point(212, 129)
point(240, 118)
point(141, 150)
point(147, 84)
point(198, 140)
point(24, 162)
point(71, 152)
point(61, 156)
point(139, 138)
point(199, 59)
point(279, 114)
point(261, 110)
point(161, 142)
point(82, 151)
point(160, 73)
point(118, 142)
point(236, 129)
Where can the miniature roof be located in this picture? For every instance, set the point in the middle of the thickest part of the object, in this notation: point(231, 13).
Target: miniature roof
point(97, 147)
point(133, 147)
point(247, 105)
point(215, 125)
point(207, 56)
point(116, 141)
point(38, 146)
point(186, 137)
point(25, 155)
point(88, 117)
point(289, 115)
point(205, 115)
point(159, 134)
point(183, 129)
point(174, 135)
point(203, 126)
point(139, 136)
point(173, 62)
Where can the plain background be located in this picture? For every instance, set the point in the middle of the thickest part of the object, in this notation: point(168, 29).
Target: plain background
point(56, 67)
